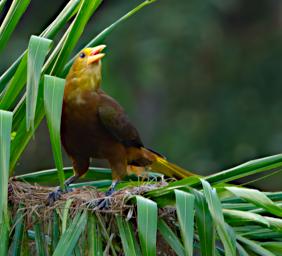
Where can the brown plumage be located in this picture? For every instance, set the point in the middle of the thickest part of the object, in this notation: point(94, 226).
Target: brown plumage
point(94, 125)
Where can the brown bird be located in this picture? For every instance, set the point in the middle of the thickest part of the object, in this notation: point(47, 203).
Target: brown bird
point(94, 125)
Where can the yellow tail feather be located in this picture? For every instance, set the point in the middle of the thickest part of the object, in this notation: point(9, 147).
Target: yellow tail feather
point(169, 169)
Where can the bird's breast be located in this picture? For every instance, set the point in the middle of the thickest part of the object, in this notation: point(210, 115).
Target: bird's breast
point(81, 129)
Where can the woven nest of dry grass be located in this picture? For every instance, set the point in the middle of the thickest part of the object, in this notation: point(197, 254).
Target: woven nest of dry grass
point(33, 199)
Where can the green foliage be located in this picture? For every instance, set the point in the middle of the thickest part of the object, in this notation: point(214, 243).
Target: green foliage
point(53, 100)
point(37, 50)
point(170, 237)
point(185, 215)
point(205, 224)
point(16, 246)
point(127, 237)
point(12, 18)
point(147, 225)
point(241, 229)
point(94, 237)
point(70, 237)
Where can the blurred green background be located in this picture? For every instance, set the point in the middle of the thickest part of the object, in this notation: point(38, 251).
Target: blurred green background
point(201, 79)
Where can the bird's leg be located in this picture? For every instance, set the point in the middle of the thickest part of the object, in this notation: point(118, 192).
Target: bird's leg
point(105, 202)
point(80, 167)
point(112, 188)
point(56, 194)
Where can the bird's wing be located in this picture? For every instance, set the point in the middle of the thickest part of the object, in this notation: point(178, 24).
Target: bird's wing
point(117, 123)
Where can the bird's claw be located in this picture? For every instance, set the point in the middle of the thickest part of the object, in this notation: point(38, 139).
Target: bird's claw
point(56, 195)
point(103, 204)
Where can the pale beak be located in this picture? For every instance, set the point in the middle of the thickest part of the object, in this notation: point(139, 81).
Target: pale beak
point(96, 54)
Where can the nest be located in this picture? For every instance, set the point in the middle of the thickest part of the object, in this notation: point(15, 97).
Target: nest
point(33, 199)
point(32, 202)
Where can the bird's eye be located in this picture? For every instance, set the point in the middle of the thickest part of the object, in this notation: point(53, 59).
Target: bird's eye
point(82, 55)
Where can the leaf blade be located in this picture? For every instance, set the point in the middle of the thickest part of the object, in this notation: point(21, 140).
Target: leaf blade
point(147, 225)
point(12, 18)
point(185, 214)
point(223, 230)
point(37, 50)
point(53, 98)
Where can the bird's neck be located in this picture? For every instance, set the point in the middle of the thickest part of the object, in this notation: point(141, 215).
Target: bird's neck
point(86, 79)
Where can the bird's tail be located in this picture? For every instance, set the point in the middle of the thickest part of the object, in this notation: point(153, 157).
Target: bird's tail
point(160, 164)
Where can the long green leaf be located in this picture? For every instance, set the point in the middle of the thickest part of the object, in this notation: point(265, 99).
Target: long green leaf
point(185, 215)
point(5, 139)
point(103, 34)
point(254, 246)
point(257, 198)
point(216, 212)
point(241, 217)
point(65, 216)
point(12, 18)
point(71, 236)
point(4, 234)
point(241, 250)
point(86, 10)
point(147, 225)
point(50, 32)
point(274, 247)
point(206, 229)
point(16, 246)
point(127, 237)
point(53, 98)
point(170, 237)
point(39, 237)
point(37, 50)
point(94, 237)
point(51, 176)
point(2, 3)
point(16, 85)
point(246, 169)
point(55, 230)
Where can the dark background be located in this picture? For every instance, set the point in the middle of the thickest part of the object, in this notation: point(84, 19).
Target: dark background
point(201, 79)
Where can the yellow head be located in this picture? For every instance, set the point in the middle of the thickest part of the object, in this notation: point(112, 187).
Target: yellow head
point(87, 67)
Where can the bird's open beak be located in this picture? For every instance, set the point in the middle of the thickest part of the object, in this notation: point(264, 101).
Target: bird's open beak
point(96, 54)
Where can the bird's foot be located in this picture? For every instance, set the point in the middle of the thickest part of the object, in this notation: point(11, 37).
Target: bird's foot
point(105, 203)
point(56, 194)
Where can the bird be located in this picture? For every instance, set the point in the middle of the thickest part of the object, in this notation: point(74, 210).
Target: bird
point(95, 125)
